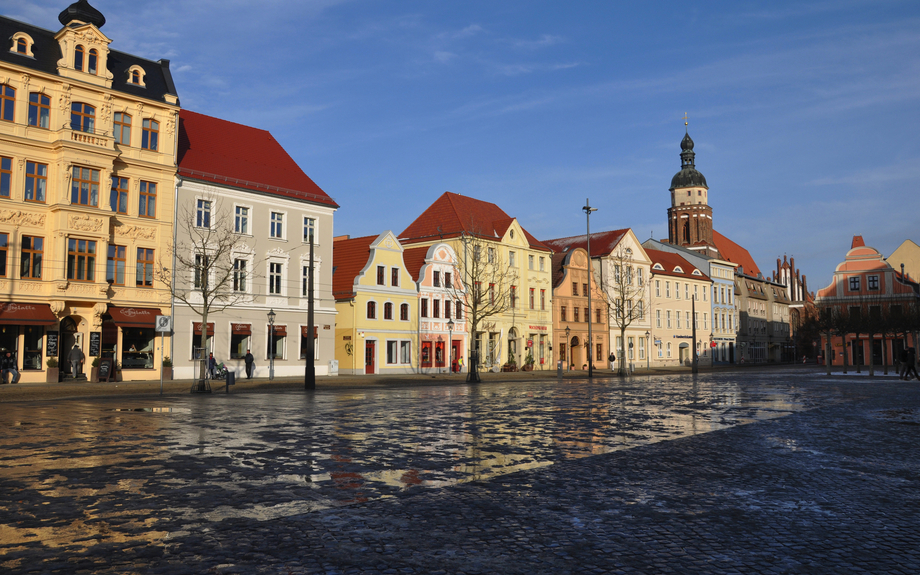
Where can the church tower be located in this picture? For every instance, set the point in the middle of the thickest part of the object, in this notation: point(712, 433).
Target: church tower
point(690, 216)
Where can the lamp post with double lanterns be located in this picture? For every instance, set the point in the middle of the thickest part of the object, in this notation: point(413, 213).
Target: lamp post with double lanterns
point(588, 209)
point(568, 345)
point(648, 351)
point(271, 345)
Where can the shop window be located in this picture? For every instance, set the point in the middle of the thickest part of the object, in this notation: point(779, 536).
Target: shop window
point(276, 343)
point(240, 336)
point(32, 348)
point(304, 340)
point(137, 348)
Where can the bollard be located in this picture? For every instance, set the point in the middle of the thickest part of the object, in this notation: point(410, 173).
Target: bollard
point(231, 379)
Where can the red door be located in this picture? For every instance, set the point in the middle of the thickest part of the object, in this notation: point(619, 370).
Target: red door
point(370, 355)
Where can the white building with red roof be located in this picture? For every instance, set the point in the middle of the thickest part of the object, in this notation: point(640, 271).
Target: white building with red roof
point(240, 178)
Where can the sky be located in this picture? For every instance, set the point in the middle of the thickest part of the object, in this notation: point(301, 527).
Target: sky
point(804, 114)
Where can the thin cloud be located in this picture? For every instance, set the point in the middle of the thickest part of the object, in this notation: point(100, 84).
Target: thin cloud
point(544, 41)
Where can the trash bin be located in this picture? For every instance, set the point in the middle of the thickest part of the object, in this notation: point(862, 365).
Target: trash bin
point(231, 378)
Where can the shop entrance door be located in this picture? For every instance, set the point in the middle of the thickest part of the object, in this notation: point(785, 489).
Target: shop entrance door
point(370, 356)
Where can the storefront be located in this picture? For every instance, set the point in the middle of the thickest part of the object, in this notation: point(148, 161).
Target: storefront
point(129, 337)
point(29, 332)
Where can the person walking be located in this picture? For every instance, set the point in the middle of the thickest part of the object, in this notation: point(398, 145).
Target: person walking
point(911, 364)
point(902, 364)
point(8, 365)
point(76, 360)
point(249, 363)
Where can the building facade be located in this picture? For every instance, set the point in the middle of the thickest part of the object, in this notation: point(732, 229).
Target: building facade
point(245, 215)
point(524, 327)
point(87, 165)
point(572, 313)
point(377, 305)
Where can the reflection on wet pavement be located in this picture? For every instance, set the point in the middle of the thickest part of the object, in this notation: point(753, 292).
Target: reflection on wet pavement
point(115, 473)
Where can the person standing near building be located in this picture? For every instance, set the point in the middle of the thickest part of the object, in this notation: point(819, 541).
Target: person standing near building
point(249, 362)
point(76, 360)
point(902, 364)
point(212, 365)
point(8, 365)
point(911, 364)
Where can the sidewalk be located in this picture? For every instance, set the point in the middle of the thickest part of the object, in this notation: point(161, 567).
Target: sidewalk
point(69, 389)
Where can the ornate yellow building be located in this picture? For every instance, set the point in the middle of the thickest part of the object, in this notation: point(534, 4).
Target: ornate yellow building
point(87, 176)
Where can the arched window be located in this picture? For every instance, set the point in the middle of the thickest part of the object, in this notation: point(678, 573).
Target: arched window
point(7, 102)
point(404, 312)
point(135, 77)
point(39, 110)
point(122, 128)
point(371, 310)
point(78, 58)
point(82, 117)
point(92, 61)
point(150, 134)
point(388, 310)
point(21, 46)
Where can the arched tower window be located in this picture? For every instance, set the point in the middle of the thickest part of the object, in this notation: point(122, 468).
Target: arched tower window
point(78, 58)
point(92, 61)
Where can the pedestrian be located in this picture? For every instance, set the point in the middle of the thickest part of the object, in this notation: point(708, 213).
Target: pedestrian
point(8, 365)
point(212, 365)
point(76, 360)
point(902, 366)
point(249, 362)
point(460, 364)
point(911, 364)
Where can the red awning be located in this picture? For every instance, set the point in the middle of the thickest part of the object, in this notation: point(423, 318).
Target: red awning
point(280, 331)
point(196, 328)
point(134, 316)
point(26, 314)
point(241, 329)
point(305, 330)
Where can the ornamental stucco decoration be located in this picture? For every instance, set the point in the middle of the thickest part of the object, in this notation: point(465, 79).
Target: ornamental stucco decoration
point(20, 218)
point(136, 232)
point(57, 307)
point(85, 223)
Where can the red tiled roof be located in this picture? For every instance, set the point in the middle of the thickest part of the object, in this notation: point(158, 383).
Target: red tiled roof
point(669, 261)
point(452, 214)
point(221, 152)
point(414, 258)
point(735, 254)
point(349, 257)
point(602, 243)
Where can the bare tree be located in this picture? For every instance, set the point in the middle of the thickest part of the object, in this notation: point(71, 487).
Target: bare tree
point(488, 289)
point(213, 269)
point(625, 297)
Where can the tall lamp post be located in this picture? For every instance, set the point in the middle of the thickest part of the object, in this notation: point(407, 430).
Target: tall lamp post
point(271, 345)
point(648, 352)
point(588, 209)
point(568, 346)
point(450, 345)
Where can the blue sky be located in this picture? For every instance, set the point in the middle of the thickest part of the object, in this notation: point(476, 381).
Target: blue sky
point(805, 114)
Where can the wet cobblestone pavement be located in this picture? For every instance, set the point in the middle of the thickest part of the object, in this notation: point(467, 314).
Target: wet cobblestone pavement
point(779, 472)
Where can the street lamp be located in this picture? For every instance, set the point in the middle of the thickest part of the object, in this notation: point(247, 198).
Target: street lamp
point(271, 344)
point(568, 346)
point(588, 209)
point(648, 351)
point(450, 345)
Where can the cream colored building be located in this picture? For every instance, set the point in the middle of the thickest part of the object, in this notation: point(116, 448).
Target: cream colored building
point(87, 165)
point(907, 255)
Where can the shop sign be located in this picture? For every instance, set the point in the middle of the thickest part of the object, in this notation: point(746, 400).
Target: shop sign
point(51, 343)
point(95, 343)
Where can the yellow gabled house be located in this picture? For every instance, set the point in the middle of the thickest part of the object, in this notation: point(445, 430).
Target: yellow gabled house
point(376, 302)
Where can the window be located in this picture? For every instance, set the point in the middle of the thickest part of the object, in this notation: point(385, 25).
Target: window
point(641, 348)
point(371, 310)
point(640, 310)
point(404, 312)
point(668, 317)
point(542, 264)
point(135, 77)
point(667, 289)
point(530, 262)
point(6, 176)
point(639, 277)
point(459, 312)
point(119, 196)
point(491, 255)
point(115, 265)
point(150, 134)
point(436, 308)
point(78, 55)
point(532, 297)
point(84, 187)
point(275, 342)
point(491, 293)
point(203, 214)
point(36, 181)
point(584, 289)
point(447, 280)
point(631, 347)
point(405, 352)
point(81, 260)
point(148, 200)
point(872, 282)
point(22, 47)
point(687, 291)
point(657, 318)
point(202, 270)
point(677, 318)
point(597, 315)
point(436, 278)
point(82, 117)
point(39, 110)
point(381, 275)
point(587, 315)
point(240, 335)
point(241, 220)
point(388, 310)
point(854, 283)
point(616, 273)
point(543, 299)
point(305, 281)
point(122, 128)
point(677, 290)
point(575, 288)
point(424, 308)
point(447, 309)
point(669, 349)
point(276, 225)
point(7, 102)
point(394, 277)
point(31, 257)
point(705, 321)
point(92, 61)
point(562, 313)
point(275, 273)
point(513, 295)
point(511, 260)
point(309, 229)
point(657, 288)
point(144, 268)
point(4, 249)
point(599, 352)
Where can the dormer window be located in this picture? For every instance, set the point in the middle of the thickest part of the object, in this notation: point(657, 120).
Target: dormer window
point(92, 61)
point(78, 55)
point(22, 44)
point(136, 76)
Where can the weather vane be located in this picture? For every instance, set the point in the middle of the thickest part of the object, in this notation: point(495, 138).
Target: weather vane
point(685, 119)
